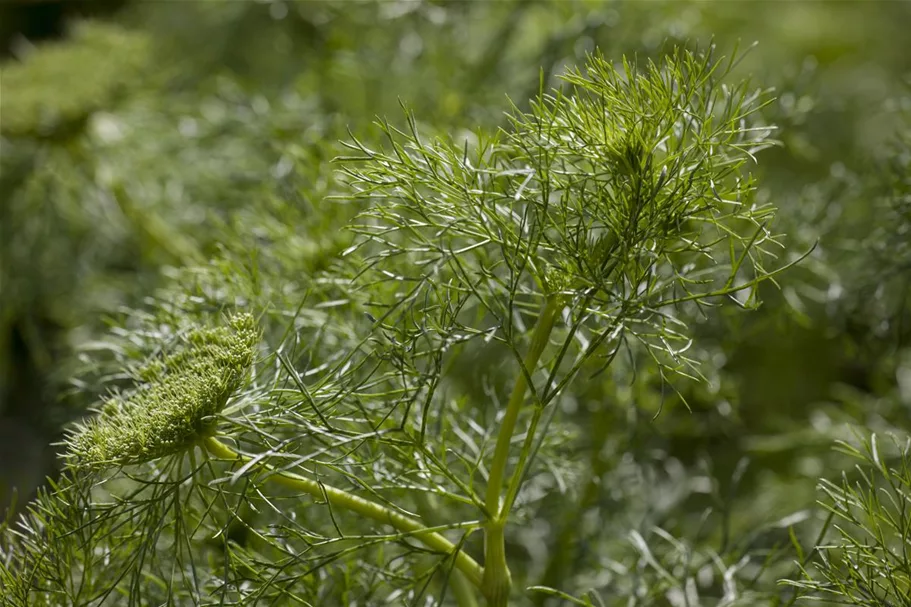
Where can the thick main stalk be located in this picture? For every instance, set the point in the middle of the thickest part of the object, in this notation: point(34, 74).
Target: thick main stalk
point(496, 571)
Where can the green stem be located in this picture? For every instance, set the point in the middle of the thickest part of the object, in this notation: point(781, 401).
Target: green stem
point(496, 571)
point(543, 328)
point(342, 499)
point(497, 579)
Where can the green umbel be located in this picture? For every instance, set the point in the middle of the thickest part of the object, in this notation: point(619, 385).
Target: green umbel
point(175, 406)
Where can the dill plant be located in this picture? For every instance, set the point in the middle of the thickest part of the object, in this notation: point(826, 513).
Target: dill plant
point(864, 559)
point(328, 452)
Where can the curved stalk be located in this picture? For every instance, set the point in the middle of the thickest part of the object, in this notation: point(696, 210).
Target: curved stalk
point(377, 512)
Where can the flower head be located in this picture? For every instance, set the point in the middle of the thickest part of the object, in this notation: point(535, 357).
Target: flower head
point(175, 405)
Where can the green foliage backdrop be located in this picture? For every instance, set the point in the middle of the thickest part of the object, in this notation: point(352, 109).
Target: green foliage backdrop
point(175, 163)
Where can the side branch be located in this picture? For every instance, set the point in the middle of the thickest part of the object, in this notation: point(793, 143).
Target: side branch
point(542, 332)
point(342, 499)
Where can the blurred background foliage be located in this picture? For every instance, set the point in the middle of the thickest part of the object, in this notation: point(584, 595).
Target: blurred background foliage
point(180, 152)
